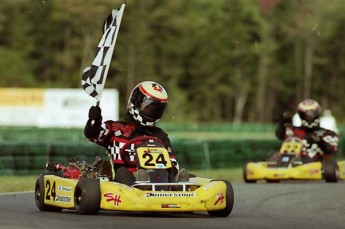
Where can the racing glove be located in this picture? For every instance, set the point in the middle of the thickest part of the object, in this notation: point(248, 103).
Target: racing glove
point(93, 125)
point(284, 121)
point(286, 117)
point(95, 115)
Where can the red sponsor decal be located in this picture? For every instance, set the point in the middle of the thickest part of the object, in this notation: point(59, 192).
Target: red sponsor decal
point(220, 198)
point(157, 87)
point(170, 206)
point(250, 172)
point(313, 171)
point(111, 197)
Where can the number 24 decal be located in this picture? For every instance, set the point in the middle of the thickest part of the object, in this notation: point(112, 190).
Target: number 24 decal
point(51, 190)
point(160, 159)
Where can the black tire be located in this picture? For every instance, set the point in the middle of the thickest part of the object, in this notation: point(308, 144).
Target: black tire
point(229, 202)
point(40, 194)
point(245, 174)
point(87, 196)
point(330, 171)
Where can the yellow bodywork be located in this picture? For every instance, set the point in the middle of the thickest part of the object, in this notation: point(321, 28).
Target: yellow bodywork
point(59, 191)
point(208, 195)
point(309, 171)
point(116, 196)
point(341, 165)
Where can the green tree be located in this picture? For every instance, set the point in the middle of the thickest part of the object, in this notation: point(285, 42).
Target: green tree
point(15, 67)
point(221, 61)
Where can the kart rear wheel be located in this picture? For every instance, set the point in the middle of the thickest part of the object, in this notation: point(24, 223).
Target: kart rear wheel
point(87, 196)
point(330, 171)
point(229, 200)
point(245, 178)
point(40, 194)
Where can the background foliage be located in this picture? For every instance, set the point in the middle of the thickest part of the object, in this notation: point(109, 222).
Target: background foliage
point(220, 60)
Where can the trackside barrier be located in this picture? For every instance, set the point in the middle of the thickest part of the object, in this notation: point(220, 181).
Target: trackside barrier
point(218, 127)
point(222, 153)
point(31, 157)
point(29, 134)
point(25, 150)
point(35, 134)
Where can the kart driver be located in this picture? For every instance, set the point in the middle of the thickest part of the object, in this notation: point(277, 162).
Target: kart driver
point(318, 143)
point(146, 105)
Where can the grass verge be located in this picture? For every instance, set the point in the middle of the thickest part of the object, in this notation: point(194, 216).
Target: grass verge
point(12, 183)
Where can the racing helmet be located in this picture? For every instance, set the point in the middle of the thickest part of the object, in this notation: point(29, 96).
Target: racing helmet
point(147, 102)
point(309, 111)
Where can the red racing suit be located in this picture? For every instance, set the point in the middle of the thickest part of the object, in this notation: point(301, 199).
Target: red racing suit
point(113, 135)
point(317, 141)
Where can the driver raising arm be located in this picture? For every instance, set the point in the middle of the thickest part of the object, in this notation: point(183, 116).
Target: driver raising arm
point(319, 143)
point(146, 105)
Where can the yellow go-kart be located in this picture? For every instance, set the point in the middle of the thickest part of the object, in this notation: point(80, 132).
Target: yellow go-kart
point(82, 187)
point(288, 165)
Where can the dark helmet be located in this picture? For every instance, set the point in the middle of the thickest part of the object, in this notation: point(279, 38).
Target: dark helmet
point(147, 103)
point(309, 111)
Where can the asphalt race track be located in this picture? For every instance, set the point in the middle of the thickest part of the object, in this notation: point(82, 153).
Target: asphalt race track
point(283, 205)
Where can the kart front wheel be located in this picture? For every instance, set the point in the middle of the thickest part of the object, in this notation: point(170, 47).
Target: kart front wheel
point(87, 197)
point(40, 194)
point(330, 171)
point(229, 201)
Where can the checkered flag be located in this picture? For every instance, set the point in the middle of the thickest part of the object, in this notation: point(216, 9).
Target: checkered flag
point(94, 76)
